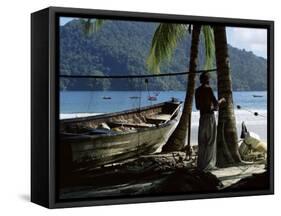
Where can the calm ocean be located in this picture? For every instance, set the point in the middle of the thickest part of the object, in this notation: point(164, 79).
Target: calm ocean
point(93, 102)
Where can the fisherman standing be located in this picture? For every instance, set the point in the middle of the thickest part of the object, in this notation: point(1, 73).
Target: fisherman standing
point(206, 103)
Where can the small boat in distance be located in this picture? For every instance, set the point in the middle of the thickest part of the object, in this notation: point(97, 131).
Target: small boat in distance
point(257, 96)
point(95, 141)
point(135, 97)
point(152, 98)
point(106, 97)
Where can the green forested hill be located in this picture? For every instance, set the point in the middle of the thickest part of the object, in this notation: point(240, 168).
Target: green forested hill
point(121, 47)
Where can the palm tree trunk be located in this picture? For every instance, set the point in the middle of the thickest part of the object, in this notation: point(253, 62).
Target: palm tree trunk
point(227, 140)
point(178, 139)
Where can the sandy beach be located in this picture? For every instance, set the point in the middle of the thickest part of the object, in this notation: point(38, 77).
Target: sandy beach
point(256, 124)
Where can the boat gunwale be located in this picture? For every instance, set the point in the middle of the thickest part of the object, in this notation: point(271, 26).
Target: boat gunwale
point(129, 111)
point(85, 136)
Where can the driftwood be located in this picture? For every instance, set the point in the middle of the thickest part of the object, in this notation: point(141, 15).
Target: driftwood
point(157, 174)
point(131, 168)
point(152, 174)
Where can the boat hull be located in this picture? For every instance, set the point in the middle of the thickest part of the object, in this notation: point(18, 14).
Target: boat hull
point(99, 150)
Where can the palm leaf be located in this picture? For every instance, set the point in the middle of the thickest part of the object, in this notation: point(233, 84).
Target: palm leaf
point(89, 26)
point(209, 46)
point(164, 42)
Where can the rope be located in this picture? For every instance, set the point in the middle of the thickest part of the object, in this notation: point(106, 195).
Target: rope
point(134, 76)
point(250, 111)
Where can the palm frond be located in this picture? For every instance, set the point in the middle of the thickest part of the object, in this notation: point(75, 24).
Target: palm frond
point(98, 24)
point(89, 26)
point(209, 46)
point(164, 42)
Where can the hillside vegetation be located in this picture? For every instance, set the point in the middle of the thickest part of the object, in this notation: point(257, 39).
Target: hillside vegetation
point(121, 48)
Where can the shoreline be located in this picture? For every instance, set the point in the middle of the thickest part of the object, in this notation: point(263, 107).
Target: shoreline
point(256, 124)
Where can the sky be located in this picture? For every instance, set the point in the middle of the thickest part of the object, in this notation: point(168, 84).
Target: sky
point(250, 39)
point(64, 20)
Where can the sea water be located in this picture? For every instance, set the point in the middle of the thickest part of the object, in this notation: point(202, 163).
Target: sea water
point(84, 103)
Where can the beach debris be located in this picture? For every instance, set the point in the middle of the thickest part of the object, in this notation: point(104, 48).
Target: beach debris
point(190, 152)
point(251, 148)
point(188, 180)
point(256, 181)
point(103, 126)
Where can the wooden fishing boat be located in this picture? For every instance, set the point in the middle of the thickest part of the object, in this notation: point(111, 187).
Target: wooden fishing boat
point(98, 140)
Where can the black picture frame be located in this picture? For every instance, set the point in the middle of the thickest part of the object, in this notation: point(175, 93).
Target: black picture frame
point(45, 100)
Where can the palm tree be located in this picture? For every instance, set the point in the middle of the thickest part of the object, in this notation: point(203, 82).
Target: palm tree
point(227, 141)
point(163, 44)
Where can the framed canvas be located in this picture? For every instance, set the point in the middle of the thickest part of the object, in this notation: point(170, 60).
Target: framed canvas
point(139, 107)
